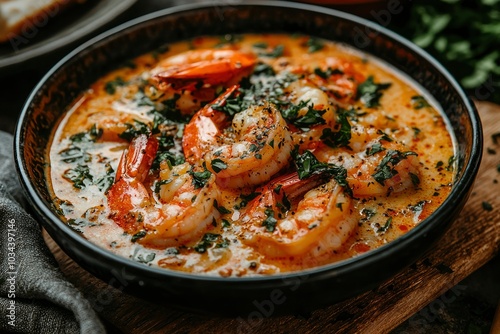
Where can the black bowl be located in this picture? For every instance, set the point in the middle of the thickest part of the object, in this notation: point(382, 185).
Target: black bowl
point(288, 292)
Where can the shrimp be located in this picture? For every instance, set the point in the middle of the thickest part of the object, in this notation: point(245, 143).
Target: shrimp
point(322, 220)
point(206, 66)
point(337, 77)
point(377, 165)
point(304, 93)
point(177, 212)
point(254, 147)
point(187, 206)
point(128, 198)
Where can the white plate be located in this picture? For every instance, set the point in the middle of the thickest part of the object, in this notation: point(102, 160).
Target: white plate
point(58, 31)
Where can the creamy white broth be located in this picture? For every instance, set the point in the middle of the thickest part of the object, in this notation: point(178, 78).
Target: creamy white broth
point(405, 113)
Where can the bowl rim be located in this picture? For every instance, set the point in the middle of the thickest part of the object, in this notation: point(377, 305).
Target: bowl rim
point(459, 191)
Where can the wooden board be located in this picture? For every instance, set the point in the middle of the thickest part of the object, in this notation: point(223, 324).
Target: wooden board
point(472, 241)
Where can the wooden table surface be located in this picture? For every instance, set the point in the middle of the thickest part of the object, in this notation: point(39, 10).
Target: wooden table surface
point(473, 240)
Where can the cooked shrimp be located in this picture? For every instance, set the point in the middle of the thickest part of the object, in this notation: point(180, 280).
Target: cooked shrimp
point(335, 76)
point(304, 92)
point(255, 146)
point(128, 198)
point(322, 221)
point(186, 207)
point(210, 67)
point(177, 212)
point(376, 164)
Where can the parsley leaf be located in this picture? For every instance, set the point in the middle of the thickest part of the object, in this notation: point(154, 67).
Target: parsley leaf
point(200, 179)
point(419, 102)
point(338, 138)
point(369, 92)
point(218, 165)
point(78, 175)
point(386, 169)
point(270, 222)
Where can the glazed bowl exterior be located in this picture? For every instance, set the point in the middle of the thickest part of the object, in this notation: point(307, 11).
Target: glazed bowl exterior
point(288, 292)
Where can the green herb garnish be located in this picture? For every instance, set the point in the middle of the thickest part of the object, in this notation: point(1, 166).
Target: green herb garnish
point(369, 92)
point(386, 169)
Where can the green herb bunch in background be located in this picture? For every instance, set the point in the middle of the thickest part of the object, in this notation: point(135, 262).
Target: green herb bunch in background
point(464, 35)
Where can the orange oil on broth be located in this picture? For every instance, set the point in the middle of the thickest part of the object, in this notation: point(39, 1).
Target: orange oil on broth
point(86, 149)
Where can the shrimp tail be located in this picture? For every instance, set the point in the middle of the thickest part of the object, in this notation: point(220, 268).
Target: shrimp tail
point(204, 127)
point(128, 195)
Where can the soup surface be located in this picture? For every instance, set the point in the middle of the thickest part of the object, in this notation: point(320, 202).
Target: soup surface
point(249, 155)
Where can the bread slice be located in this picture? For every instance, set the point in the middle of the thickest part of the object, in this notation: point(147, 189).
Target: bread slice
point(21, 18)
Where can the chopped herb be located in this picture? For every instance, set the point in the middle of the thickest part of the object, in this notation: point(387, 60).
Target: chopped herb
point(172, 159)
point(260, 45)
point(274, 53)
point(307, 165)
point(245, 199)
point(270, 222)
point(104, 182)
point(271, 143)
point(487, 206)
point(419, 102)
point(386, 169)
point(385, 136)
point(292, 111)
point(263, 68)
point(369, 92)
point(73, 154)
point(90, 136)
point(158, 184)
point(386, 226)
point(311, 118)
point(226, 223)
point(414, 179)
point(285, 204)
point(353, 114)
point(208, 241)
point(327, 73)
point(230, 106)
point(218, 165)
point(142, 257)
point(277, 189)
point(341, 137)
point(134, 130)
point(368, 214)
point(171, 251)
point(221, 209)
point(418, 207)
point(439, 164)
point(78, 175)
point(139, 235)
point(314, 45)
point(200, 178)
point(416, 131)
point(111, 86)
point(79, 223)
point(375, 148)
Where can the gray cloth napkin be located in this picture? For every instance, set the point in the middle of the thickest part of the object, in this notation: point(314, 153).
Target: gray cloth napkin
point(34, 295)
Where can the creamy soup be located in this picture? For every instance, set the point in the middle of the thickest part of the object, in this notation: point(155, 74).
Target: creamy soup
point(250, 155)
